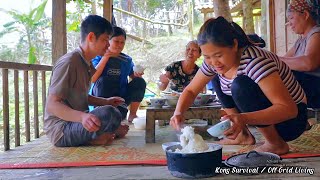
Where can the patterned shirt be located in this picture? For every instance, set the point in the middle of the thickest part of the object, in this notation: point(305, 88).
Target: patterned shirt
point(257, 63)
point(180, 79)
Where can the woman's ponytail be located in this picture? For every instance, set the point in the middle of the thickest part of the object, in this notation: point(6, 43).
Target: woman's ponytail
point(242, 38)
point(222, 33)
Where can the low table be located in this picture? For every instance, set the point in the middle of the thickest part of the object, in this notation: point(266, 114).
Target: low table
point(210, 112)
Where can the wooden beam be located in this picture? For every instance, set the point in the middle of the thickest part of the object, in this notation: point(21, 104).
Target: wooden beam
point(59, 31)
point(107, 9)
point(206, 10)
point(21, 66)
point(149, 20)
point(271, 25)
point(241, 15)
point(138, 38)
point(256, 4)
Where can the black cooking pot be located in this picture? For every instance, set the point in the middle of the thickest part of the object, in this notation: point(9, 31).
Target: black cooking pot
point(253, 159)
point(194, 165)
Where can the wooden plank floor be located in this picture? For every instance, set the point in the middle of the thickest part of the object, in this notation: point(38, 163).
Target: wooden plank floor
point(144, 172)
point(148, 172)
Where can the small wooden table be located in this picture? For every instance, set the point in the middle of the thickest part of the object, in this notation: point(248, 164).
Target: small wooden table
point(210, 113)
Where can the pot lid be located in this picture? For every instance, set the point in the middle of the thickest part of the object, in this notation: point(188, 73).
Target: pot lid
point(253, 159)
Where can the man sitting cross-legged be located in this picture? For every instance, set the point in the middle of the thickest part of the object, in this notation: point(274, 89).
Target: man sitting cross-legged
point(67, 121)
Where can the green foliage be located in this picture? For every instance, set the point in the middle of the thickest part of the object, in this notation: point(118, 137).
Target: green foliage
point(32, 56)
point(27, 25)
point(7, 54)
point(9, 24)
point(74, 26)
point(152, 6)
point(167, 4)
point(7, 31)
point(39, 11)
point(74, 18)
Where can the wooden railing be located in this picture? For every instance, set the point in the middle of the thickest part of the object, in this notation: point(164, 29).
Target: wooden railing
point(25, 68)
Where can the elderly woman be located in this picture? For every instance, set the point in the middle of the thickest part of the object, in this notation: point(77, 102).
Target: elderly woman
point(179, 74)
point(304, 57)
point(253, 86)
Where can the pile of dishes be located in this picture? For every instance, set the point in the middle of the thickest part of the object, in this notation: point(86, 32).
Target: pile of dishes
point(171, 98)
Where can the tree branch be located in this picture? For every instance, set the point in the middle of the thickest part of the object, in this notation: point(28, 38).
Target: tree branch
point(87, 1)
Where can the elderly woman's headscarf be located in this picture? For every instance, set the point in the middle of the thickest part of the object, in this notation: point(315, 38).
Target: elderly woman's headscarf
point(302, 5)
point(309, 5)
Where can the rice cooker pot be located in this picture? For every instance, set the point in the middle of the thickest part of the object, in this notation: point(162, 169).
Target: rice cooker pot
point(193, 165)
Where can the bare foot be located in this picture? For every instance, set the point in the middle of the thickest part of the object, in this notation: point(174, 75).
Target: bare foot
point(122, 131)
point(104, 139)
point(310, 123)
point(242, 139)
point(131, 117)
point(280, 149)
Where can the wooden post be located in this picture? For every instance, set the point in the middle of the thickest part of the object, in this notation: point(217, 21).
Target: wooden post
point(6, 125)
point(264, 22)
point(190, 17)
point(222, 8)
point(107, 9)
point(271, 26)
point(44, 93)
point(248, 23)
point(59, 31)
point(150, 127)
point(35, 104)
point(16, 108)
point(26, 105)
point(169, 26)
point(120, 16)
point(205, 16)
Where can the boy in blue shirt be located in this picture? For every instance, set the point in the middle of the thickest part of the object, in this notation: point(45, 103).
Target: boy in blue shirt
point(112, 72)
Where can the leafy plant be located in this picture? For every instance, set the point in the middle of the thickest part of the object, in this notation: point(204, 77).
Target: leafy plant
point(26, 25)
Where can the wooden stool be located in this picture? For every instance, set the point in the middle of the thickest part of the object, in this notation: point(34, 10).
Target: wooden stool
point(210, 113)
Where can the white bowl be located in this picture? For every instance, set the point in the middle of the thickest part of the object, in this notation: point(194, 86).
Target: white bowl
point(138, 68)
point(172, 102)
point(218, 129)
point(167, 144)
point(171, 96)
point(157, 102)
point(202, 99)
point(139, 123)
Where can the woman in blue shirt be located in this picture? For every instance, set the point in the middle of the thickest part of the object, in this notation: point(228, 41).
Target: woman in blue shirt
point(111, 76)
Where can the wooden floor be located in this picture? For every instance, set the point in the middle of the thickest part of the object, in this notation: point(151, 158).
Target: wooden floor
point(149, 172)
point(152, 172)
